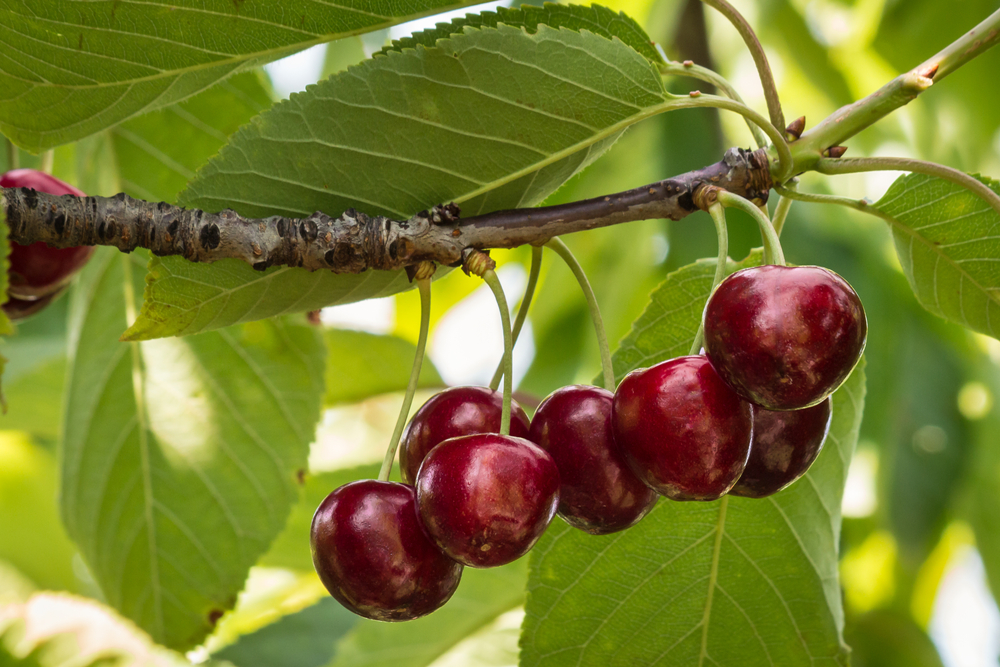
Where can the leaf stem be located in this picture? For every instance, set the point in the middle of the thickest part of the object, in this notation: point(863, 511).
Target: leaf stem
point(759, 59)
point(856, 165)
point(522, 310)
point(48, 161)
point(563, 251)
point(12, 155)
point(814, 198)
point(689, 69)
point(718, 213)
point(491, 279)
point(772, 246)
point(424, 287)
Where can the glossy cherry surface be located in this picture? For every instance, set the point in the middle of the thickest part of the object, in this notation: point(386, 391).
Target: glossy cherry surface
point(784, 337)
point(453, 412)
point(373, 555)
point(784, 445)
point(598, 493)
point(487, 498)
point(683, 431)
point(37, 270)
point(19, 309)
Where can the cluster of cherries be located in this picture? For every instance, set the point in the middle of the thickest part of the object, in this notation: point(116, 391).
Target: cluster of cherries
point(38, 273)
point(747, 417)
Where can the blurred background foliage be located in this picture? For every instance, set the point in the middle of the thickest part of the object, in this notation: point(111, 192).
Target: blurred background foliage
point(922, 509)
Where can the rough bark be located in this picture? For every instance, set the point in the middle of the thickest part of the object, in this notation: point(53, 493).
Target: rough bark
point(354, 241)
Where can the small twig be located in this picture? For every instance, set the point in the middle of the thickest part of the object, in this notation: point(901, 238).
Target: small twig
point(759, 59)
point(863, 164)
point(354, 241)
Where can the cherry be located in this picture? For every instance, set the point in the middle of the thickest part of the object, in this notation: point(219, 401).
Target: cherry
point(683, 431)
point(598, 493)
point(487, 498)
point(19, 309)
point(373, 555)
point(784, 337)
point(784, 445)
point(36, 270)
point(453, 412)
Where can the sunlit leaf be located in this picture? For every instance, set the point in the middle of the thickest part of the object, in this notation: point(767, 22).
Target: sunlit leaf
point(948, 242)
point(595, 18)
point(180, 457)
point(68, 70)
point(491, 119)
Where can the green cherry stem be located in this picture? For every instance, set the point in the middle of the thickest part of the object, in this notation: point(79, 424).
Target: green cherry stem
point(862, 164)
point(491, 279)
point(424, 287)
point(12, 155)
point(563, 251)
point(782, 209)
point(772, 246)
point(522, 310)
point(718, 213)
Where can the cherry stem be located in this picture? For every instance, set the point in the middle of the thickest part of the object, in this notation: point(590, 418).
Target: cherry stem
point(48, 161)
point(12, 155)
point(491, 279)
point(759, 59)
point(772, 246)
point(781, 210)
point(856, 165)
point(522, 310)
point(563, 251)
point(424, 287)
point(718, 213)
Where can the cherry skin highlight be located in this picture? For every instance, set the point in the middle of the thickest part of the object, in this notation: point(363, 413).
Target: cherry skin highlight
point(683, 431)
point(487, 498)
point(784, 337)
point(784, 445)
point(373, 555)
point(599, 493)
point(453, 412)
point(36, 270)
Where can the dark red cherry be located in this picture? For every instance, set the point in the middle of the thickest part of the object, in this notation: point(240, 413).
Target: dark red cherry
point(453, 412)
point(18, 309)
point(683, 431)
point(37, 270)
point(598, 493)
point(784, 445)
point(784, 337)
point(487, 498)
point(373, 555)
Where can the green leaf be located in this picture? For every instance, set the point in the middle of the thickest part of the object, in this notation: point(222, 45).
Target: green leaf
point(307, 638)
point(946, 238)
point(70, 70)
point(180, 457)
point(361, 364)
point(732, 582)
point(595, 18)
point(482, 596)
point(159, 152)
point(291, 548)
point(669, 323)
point(491, 119)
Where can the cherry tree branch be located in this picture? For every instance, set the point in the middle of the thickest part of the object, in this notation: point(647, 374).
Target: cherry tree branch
point(354, 242)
